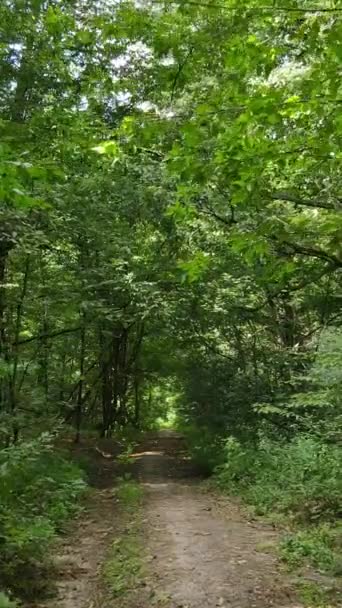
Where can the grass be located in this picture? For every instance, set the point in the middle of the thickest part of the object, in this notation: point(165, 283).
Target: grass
point(266, 547)
point(314, 595)
point(315, 545)
point(123, 568)
point(129, 493)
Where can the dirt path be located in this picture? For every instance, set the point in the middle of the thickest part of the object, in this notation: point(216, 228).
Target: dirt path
point(203, 555)
point(200, 552)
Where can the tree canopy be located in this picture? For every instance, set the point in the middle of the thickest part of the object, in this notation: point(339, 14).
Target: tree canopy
point(171, 209)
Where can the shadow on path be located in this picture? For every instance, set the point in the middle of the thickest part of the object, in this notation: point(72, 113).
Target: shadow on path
point(162, 457)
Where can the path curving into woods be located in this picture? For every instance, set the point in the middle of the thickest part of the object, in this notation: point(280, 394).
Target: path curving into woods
point(200, 551)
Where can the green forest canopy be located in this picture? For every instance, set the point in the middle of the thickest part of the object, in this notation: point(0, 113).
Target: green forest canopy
point(170, 214)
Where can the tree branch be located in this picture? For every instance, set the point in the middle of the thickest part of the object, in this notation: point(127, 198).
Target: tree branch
point(314, 252)
point(181, 67)
point(43, 336)
point(228, 221)
point(89, 369)
point(261, 9)
point(290, 198)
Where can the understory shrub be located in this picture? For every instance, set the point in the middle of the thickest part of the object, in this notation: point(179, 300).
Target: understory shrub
point(38, 491)
point(318, 545)
point(301, 477)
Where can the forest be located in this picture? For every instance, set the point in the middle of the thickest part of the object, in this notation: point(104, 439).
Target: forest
point(171, 255)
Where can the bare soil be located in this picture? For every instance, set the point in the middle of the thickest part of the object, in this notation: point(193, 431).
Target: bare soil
point(200, 551)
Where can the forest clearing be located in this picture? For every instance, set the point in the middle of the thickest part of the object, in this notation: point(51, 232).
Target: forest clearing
point(170, 303)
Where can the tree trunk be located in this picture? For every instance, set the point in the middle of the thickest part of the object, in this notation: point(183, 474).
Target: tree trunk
point(106, 373)
point(136, 402)
point(15, 352)
point(78, 410)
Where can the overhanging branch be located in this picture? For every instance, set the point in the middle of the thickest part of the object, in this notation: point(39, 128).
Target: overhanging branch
point(291, 198)
point(46, 336)
point(314, 252)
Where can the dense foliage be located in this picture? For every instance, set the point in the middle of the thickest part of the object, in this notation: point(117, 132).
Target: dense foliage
point(171, 231)
point(38, 491)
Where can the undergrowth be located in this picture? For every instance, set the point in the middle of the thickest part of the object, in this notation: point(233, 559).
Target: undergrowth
point(318, 545)
point(301, 477)
point(204, 446)
point(39, 490)
point(313, 595)
point(297, 483)
point(123, 567)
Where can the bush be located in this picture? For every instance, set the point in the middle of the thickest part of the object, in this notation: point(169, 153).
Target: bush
point(315, 545)
point(239, 464)
point(301, 477)
point(38, 490)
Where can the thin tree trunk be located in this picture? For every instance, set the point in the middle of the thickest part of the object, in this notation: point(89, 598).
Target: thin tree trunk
point(3, 336)
point(62, 378)
point(79, 406)
point(136, 402)
point(15, 352)
point(105, 364)
point(43, 374)
point(122, 375)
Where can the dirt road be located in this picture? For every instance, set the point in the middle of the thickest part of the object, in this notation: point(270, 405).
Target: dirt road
point(200, 551)
point(204, 553)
